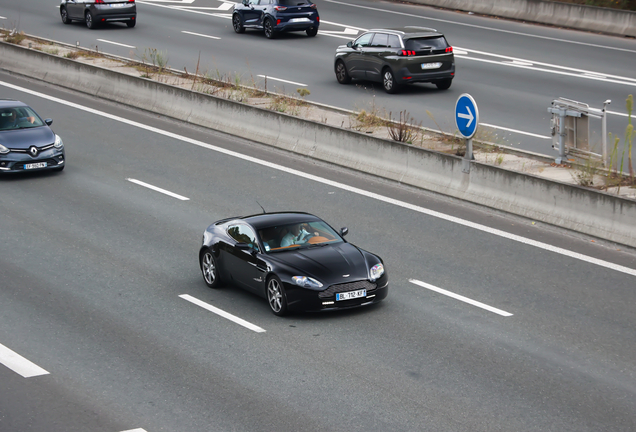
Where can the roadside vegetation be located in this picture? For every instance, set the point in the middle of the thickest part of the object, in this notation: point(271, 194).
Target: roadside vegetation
point(613, 4)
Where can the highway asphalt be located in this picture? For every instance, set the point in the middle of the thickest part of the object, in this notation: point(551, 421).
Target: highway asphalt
point(513, 70)
point(93, 267)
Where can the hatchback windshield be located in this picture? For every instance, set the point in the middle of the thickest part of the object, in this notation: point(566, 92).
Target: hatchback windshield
point(298, 235)
point(19, 118)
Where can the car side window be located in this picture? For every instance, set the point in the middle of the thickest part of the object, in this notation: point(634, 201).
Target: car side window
point(364, 40)
point(394, 42)
point(380, 40)
point(243, 234)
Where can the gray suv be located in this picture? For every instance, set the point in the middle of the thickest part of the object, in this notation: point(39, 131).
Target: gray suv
point(396, 57)
point(97, 12)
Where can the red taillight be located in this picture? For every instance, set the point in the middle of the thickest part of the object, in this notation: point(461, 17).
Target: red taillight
point(280, 8)
point(408, 53)
point(449, 49)
point(407, 78)
point(277, 22)
point(313, 6)
point(99, 1)
point(131, 1)
point(317, 19)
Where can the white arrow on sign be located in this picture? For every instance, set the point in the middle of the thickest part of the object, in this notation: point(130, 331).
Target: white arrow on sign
point(468, 116)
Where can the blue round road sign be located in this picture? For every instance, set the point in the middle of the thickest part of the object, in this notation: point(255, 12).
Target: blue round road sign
point(466, 115)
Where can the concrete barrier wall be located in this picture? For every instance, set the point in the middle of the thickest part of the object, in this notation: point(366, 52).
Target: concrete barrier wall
point(580, 17)
point(586, 211)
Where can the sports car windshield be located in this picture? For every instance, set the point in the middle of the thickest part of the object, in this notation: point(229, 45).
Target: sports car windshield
point(19, 118)
point(298, 235)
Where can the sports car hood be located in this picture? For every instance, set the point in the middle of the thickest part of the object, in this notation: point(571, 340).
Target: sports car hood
point(24, 138)
point(329, 264)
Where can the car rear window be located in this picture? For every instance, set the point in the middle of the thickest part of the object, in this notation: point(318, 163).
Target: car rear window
point(425, 44)
point(292, 2)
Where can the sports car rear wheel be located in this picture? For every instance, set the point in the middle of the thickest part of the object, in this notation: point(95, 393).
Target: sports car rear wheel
point(209, 269)
point(276, 296)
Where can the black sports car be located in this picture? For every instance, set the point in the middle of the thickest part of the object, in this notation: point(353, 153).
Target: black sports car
point(27, 142)
point(295, 260)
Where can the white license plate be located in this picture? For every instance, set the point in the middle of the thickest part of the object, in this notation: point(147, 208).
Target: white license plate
point(431, 65)
point(117, 5)
point(295, 20)
point(35, 165)
point(351, 295)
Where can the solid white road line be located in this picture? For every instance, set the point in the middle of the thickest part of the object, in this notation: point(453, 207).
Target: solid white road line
point(115, 43)
point(282, 80)
point(135, 430)
point(516, 131)
point(460, 297)
point(410, 15)
point(1, 17)
point(19, 364)
point(220, 312)
point(362, 192)
point(155, 188)
point(199, 34)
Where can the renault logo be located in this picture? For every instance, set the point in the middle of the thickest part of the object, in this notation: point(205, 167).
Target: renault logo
point(33, 150)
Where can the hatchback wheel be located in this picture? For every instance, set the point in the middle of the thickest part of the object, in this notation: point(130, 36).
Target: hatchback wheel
point(312, 31)
point(90, 22)
point(444, 84)
point(64, 15)
point(388, 81)
point(276, 296)
point(209, 269)
point(237, 23)
point(341, 73)
point(269, 28)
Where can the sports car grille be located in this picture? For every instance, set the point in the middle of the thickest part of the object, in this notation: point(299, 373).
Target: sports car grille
point(350, 286)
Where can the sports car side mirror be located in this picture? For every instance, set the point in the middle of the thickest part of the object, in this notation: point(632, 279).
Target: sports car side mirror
point(48, 121)
point(344, 231)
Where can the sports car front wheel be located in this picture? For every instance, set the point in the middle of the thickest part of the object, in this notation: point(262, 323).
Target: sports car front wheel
point(209, 269)
point(276, 296)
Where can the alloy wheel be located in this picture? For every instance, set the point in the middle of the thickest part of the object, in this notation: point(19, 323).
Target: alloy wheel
point(341, 73)
point(89, 20)
point(208, 268)
point(269, 29)
point(236, 23)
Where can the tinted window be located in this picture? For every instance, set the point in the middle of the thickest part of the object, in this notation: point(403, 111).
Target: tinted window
point(380, 40)
point(243, 234)
point(318, 233)
point(364, 40)
point(292, 2)
point(394, 42)
point(423, 44)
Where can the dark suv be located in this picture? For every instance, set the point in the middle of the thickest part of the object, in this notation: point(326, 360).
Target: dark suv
point(276, 16)
point(96, 12)
point(396, 57)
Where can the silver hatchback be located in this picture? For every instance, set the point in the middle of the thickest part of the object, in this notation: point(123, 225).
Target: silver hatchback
point(97, 12)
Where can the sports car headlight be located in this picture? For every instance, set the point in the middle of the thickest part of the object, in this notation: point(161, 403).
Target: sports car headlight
point(376, 272)
point(3, 149)
point(306, 282)
point(58, 142)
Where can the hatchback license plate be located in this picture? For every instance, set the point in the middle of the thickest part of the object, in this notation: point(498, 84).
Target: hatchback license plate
point(351, 295)
point(117, 5)
point(35, 165)
point(431, 65)
point(295, 20)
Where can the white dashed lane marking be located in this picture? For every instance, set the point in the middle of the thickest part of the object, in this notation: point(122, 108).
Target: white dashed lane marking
point(158, 189)
point(222, 313)
point(19, 364)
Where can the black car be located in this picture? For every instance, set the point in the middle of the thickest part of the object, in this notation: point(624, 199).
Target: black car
point(96, 12)
point(27, 143)
point(396, 57)
point(276, 16)
point(294, 260)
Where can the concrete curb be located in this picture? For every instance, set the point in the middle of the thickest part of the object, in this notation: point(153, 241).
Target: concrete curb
point(589, 18)
point(587, 211)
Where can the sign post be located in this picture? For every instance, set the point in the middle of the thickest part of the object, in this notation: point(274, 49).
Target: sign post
point(467, 120)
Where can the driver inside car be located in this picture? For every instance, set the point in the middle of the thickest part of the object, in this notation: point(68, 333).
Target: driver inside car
point(297, 234)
